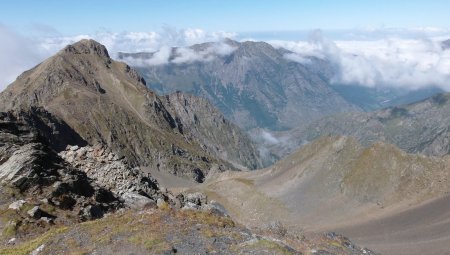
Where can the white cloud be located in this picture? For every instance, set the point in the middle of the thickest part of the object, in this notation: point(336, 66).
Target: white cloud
point(160, 57)
point(298, 58)
point(19, 53)
point(269, 138)
point(411, 63)
point(187, 55)
point(221, 49)
point(391, 61)
point(182, 55)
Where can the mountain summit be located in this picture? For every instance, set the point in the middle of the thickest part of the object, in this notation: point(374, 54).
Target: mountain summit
point(107, 102)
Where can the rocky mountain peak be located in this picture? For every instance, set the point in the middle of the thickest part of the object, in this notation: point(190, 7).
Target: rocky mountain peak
point(231, 42)
point(87, 46)
point(254, 50)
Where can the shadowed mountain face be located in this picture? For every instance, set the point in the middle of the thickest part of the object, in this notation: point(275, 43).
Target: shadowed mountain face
point(422, 127)
point(107, 102)
point(255, 85)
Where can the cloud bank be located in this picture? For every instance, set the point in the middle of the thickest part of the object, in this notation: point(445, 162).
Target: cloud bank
point(180, 55)
point(19, 53)
point(410, 62)
point(397, 62)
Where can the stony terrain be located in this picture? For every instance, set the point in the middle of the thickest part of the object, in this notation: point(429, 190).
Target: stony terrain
point(156, 231)
point(107, 102)
point(42, 188)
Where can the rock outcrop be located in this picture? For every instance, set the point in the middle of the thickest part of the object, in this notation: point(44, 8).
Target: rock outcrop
point(114, 173)
point(31, 167)
point(136, 188)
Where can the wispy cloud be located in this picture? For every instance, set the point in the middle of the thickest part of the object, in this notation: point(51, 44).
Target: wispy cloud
point(411, 63)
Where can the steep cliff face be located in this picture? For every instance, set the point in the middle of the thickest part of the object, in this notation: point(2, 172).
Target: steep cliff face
point(255, 85)
point(107, 102)
point(211, 129)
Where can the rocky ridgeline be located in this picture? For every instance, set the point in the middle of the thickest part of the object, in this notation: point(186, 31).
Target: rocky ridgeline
point(136, 188)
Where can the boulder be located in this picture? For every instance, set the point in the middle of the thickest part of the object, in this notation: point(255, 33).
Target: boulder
point(190, 206)
point(215, 208)
point(136, 201)
point(12, 241)
point(17, 205)
point(35, 212)
point(74, 148)
point(47, 220)
point(161, 203)
point(29, 164)
point(196, 198)
point(91, 212)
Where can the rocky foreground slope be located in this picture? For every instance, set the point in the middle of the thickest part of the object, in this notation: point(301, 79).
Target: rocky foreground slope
point(49, 203)
point(106, 102)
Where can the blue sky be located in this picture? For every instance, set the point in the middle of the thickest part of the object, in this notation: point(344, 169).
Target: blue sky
point(86, 17)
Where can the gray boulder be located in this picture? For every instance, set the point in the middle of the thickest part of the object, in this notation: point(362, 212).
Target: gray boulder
point(16, 205)
point(136, 201)
point(196, 198)
point(91, 212)
point(35, 212)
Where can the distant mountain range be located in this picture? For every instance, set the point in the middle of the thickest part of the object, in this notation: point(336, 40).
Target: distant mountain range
point(422, 127)
point(255, 85)
point(259, 86)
